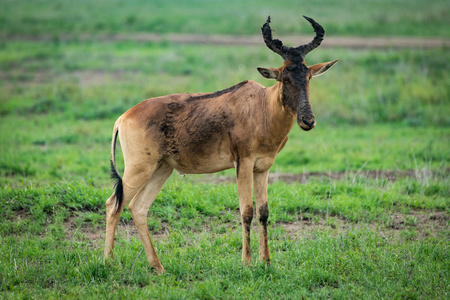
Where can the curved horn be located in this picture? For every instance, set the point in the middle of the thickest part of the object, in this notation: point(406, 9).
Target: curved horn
point(306, 48)
point(274, 45)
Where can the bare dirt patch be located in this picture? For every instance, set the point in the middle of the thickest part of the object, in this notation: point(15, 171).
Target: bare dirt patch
point(427, 223)
point(422, 224)
point(372, 174)
point(390, 176)
point(214, 39)
point(329, 42)
point(95, 234)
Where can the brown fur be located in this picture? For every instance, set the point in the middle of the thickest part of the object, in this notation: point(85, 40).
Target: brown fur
point(195, 130)
point(242, 127)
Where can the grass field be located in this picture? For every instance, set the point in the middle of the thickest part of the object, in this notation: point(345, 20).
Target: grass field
point(371, 220)
point(363, 18)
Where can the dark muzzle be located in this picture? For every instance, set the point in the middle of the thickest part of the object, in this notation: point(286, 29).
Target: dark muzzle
point(307, 123)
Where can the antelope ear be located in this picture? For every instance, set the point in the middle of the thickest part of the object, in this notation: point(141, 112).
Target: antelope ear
point(270, 73)
point(319, 69)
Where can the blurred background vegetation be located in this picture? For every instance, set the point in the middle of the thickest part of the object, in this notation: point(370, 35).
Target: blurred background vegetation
point(64, 82)
point(346, 17)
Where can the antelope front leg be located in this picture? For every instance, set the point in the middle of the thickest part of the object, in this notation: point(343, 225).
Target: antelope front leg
point(262, 211)
point(244, 173)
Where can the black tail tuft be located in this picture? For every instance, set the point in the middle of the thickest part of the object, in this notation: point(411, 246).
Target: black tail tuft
point(118, 186)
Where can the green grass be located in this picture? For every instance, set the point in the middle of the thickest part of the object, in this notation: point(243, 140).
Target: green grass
point(79, 150)
point(408, 86)
point(73, 92)
point(359, 264)
point(361, 18)
point(44, 257)
point(353, 237)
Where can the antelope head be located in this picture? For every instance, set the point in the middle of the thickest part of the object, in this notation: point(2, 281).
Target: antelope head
point(295, 75)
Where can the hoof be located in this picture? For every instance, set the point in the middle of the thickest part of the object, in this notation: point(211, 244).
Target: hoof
point(247, 263)
point(159, 270)
point(108, 256)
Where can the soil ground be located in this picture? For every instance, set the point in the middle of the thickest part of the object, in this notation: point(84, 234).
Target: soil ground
point(329, 42)
point(426, 223)
point(390, 176)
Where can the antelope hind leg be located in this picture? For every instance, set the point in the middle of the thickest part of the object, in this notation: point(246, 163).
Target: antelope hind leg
point(139, 207)
point(244, 173)
point(113, 215)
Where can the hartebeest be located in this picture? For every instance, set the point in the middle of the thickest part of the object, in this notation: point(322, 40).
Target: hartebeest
point(244, 126)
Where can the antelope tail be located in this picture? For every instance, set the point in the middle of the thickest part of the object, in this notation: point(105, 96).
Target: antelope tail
point(118, 185)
